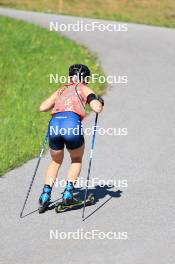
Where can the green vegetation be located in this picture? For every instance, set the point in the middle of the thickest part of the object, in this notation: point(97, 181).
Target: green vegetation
point(28, 54)
point(154, 12)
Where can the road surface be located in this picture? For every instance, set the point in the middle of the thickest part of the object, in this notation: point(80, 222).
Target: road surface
point(144, 158)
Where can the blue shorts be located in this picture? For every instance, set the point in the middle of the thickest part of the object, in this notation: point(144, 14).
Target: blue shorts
point(65, 128)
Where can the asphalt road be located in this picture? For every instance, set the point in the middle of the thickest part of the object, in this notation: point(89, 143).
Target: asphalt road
point(145, 158)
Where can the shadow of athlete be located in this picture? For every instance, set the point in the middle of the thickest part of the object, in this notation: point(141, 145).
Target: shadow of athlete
point(100, 192)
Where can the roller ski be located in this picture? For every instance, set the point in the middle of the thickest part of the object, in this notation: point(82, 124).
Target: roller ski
point(70, 202)
point(44, 200)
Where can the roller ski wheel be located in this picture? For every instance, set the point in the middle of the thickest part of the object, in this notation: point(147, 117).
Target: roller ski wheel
point(43, 208)
point(76, 204)
point(58, 208)
point(92, 198)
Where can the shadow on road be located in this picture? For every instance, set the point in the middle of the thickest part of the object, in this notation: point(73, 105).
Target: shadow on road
point(100, 193)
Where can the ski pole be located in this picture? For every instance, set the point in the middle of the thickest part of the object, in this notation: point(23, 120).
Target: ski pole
point(34, 174)
point(90, 162)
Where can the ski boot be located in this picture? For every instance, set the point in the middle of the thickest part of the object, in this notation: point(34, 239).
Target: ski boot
point(44, 199)
point(68, 197)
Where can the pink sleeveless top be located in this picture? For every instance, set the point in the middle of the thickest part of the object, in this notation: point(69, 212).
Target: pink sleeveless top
point(68, 100)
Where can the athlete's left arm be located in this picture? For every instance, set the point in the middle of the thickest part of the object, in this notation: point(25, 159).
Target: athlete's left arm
point(94, 102)
point(48, 103)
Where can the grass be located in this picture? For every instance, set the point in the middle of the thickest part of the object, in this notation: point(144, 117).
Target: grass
point(28, 54)
point(153, 12)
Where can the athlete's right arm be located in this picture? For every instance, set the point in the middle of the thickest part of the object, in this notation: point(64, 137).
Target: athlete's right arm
point(48, 103)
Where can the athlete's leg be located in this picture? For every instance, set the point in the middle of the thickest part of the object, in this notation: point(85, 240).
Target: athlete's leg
point(51, 175)
point(73, 173)
point(76, 156)
point(75, 145)
point(53, 168)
